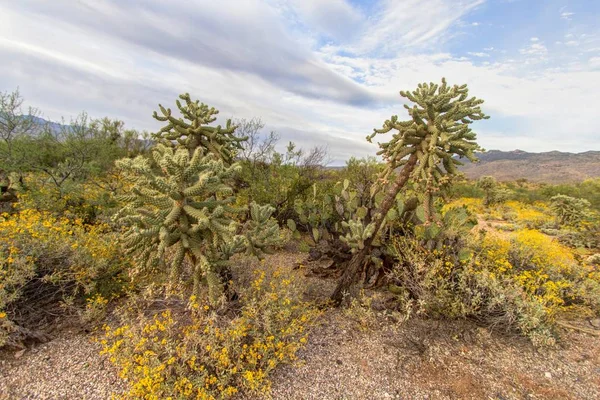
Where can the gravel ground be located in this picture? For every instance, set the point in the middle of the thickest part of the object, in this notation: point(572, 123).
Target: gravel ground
point(68, 367)
point(418, 359)
point(432, 360)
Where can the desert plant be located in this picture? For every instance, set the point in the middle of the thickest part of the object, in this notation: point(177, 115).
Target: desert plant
point(184, 204)
point(192, 131)
point(45, 260)
point(197, 353)
point(494, 194)
point(569, 210)
point(424, 148)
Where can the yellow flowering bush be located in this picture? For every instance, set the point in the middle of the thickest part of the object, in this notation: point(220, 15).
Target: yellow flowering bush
point(43, 258)
point(474, 205)
point(197, 353)
point(546, 271)
point(534, 215)
point(521, 281)
point(87, 199)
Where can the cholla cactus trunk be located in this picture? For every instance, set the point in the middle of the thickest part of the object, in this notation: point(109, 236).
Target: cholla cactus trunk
point(424, 147)
point(357, 262)
point(428, 207)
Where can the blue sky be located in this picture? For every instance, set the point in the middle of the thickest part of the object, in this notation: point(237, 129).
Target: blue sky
point(317, 72)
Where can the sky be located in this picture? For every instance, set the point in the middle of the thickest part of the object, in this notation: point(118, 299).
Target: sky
point(319, 72)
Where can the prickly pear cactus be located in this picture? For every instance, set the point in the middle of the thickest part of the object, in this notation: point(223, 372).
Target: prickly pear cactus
point(315, 214)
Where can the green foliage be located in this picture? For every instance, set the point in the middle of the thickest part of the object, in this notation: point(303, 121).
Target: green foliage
point(451, 230)
point(16, 124)
point(276, 178)
point(494, 193)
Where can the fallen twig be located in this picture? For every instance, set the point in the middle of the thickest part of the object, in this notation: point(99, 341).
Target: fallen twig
point(578, 328)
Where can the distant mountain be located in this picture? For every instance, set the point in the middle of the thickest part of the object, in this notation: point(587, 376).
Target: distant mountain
point(548, 167)
point(54, 126)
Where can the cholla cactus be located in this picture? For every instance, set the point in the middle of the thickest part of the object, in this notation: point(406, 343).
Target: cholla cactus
point(179, 203)
point(261, 231)
point(438, 130)
point(424, 147)
point(494, 194)
point(192, 130)
point(180, 206)
point(569, 210)
point(357, 234)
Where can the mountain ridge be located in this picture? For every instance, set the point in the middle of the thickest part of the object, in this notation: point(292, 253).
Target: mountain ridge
point(548, 167)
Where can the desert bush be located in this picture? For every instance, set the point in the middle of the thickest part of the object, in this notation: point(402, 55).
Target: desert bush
point(523, 283)
point(594, 259)
point(201, 354)
point(569, 210)
point(361, 311)
point(432, 283)
point(474, 205)
point(494, 193)
point(45, 260)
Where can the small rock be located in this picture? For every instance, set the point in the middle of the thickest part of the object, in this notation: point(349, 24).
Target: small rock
point(548, 375)
point(595, 323)
point(338, 362)
point(20, 353)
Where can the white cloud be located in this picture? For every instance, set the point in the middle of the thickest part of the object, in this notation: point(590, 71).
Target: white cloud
point(255, 59)
point(334, 18)
point(566, 15)
point(478, 54)
point(406, 24)
point(535, 51)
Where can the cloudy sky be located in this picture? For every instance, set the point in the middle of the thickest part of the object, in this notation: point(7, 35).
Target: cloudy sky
point(316, 71)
